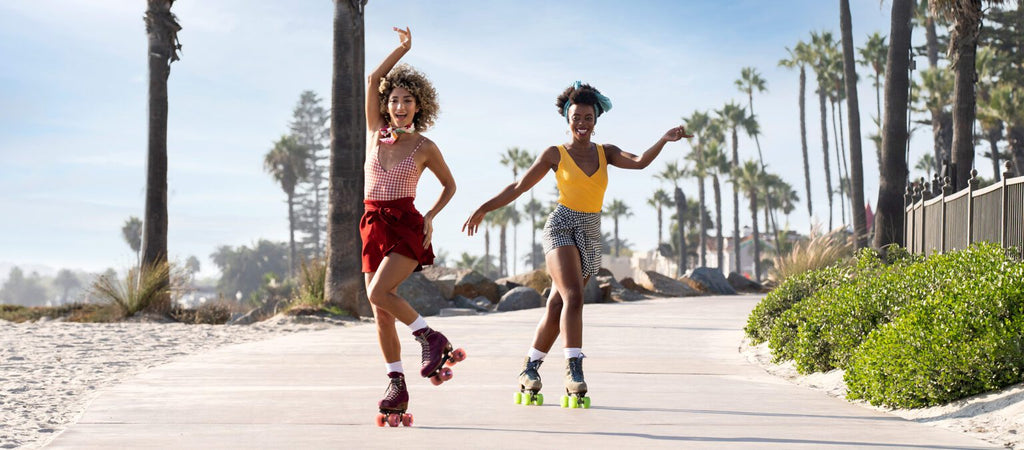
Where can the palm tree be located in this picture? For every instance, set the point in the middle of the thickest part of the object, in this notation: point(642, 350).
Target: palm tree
point(1007, 105)
point(989, 68)
point(966, 16)
point(926, 163)
point(673, 173)
point(348, 144)
point(162, 32)
point(872, 56)
point(698, 124)
point(501, 218)
point(287, 163)
point(799, 57)
point(734, 117)
point(467, 261)
point(487, 224)
point(750, 80)
point(659, 199)
point(893, 175)
point(821, 45)
point(532, 209)
point(749, 178)
point(717, 164)
point(937, 84)
point(516, 159)
point(617, 208)
point(132, 232)
point(856, 174)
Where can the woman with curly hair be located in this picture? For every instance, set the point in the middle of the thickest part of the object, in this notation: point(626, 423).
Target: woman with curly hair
point(572, 233)
point(400, 104)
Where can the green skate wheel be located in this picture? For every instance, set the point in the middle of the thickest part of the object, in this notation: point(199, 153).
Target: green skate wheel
point(540, 399)
point(565, 401)
point(586, 402)
point(574, 402)
point(527, 398)
point(519, 398)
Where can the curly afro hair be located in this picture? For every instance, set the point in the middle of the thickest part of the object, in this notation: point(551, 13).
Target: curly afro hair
point(405, 76)
point(585, 95)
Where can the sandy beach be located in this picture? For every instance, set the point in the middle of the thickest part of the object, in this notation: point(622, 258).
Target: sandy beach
point(996, 417)
point(50, 371)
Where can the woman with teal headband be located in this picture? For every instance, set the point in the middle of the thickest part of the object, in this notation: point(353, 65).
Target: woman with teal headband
point(572, 233)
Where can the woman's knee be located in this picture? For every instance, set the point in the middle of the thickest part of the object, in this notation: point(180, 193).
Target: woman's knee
point(377, 294)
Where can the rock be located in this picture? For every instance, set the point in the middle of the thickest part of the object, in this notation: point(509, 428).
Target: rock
point(444, 278)
point(592, 292)
point(422, 294)
point(505, 285)
point(537, 279)
point(663, 285)
point(545, 295)
point(630, 284)
point(446, 284)
point(743, 284)
point(626, 295)
point(614, 291)
point(450, 312)
point(520, 298)
point(472, 284)
point(481, 304)
point(712, 280)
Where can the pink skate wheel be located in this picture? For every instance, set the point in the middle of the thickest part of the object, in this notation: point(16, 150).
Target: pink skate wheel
point(458, 355)
point(407, 420)
point(393, 420)
point(380, 420)
point(436, 380)
point(446, 374)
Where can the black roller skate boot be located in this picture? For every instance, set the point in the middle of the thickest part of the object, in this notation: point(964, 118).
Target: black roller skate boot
point(529, 384)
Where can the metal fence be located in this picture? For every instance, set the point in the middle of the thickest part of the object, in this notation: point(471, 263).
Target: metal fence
point(941, 221)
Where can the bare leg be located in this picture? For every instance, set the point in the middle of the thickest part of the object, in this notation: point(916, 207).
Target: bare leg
point(567, 277)
point(382, 287)
point(387, 335)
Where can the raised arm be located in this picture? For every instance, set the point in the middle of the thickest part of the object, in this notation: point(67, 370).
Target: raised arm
point(547, 160)
point(374, 121)
point(620, 158)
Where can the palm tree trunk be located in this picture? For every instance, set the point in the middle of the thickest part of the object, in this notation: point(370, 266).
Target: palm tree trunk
point(718, 220)
point(615, 220)
point(487, 250)
point(757, 236)
point(824, 150)
point(839, 167)
point(680, 200)
point(803, 140)
point(893, 177)
point(348, 152)
point(964, 96)
point(502, 252)
point(735, 205)
point(659, 225)
point(1015, 140)
point(291, 233)
point(860, 228)
point(703, 239)
point(760, 156)
point(931, 41)
point(994, 136)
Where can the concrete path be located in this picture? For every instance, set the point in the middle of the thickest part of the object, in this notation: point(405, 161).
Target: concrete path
point(662, 373)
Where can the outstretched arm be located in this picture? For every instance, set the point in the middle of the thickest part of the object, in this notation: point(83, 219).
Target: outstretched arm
point(545, 162)
point(435, 162)
point(620, 158)
point(374, 121)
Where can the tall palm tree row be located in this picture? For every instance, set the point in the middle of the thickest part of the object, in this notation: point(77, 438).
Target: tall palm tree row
point(616, 209)
point(800, 57)
point(750, 81)
point(287, 163)
point(749, 178)
point(698, 124)
point(162, 34)
point(735, 118)
point(716, 164)
point(659, 200)
point(533, 208)
point(348, 144)
point(673, 174)
point(516, 159)
point(821, 45)
point(856, 174)
point(502, 218)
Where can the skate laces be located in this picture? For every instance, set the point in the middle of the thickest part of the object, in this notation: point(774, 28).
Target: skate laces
point(422, 338)
point(395, 388)
point(576, 368)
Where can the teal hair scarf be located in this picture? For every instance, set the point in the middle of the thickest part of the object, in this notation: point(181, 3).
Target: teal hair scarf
point(604, 104)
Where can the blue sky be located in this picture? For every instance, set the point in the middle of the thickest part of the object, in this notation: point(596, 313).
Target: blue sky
point(73, 106)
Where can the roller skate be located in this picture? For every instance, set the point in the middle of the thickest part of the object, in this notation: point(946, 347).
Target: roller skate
point(395, 402)
point(575, 387)
point(437, 353)
point(529, 384)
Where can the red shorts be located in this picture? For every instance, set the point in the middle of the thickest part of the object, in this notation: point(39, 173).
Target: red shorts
point(393, 226)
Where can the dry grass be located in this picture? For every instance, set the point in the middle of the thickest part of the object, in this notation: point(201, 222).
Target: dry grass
point(312, 281)
point(148, 289)
point(820, 251)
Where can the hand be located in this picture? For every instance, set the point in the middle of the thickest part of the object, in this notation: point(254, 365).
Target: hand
point(404, 37)
point(676, 134)
point(428, 230)
point(473, 222)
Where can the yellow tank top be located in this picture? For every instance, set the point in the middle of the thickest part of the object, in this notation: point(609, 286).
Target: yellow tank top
point(576, 190)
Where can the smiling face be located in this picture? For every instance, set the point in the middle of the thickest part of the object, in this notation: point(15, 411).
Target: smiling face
point(581, 121)
point(401, 107)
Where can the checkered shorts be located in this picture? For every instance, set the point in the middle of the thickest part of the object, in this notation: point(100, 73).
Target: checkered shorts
point(579, 229)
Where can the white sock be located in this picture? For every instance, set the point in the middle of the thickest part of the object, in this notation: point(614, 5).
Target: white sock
point(573, 352)
point(418, 324)
point(394, 366)
point(535, 354)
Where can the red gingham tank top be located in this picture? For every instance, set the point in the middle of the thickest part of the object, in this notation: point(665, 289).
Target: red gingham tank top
point(398, 182)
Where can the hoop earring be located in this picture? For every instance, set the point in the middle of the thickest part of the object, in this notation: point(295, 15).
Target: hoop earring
point(566, 132)
point(593, 132)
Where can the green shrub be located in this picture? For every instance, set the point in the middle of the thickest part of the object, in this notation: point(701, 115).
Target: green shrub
point(961, 340)
point(787, 294)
